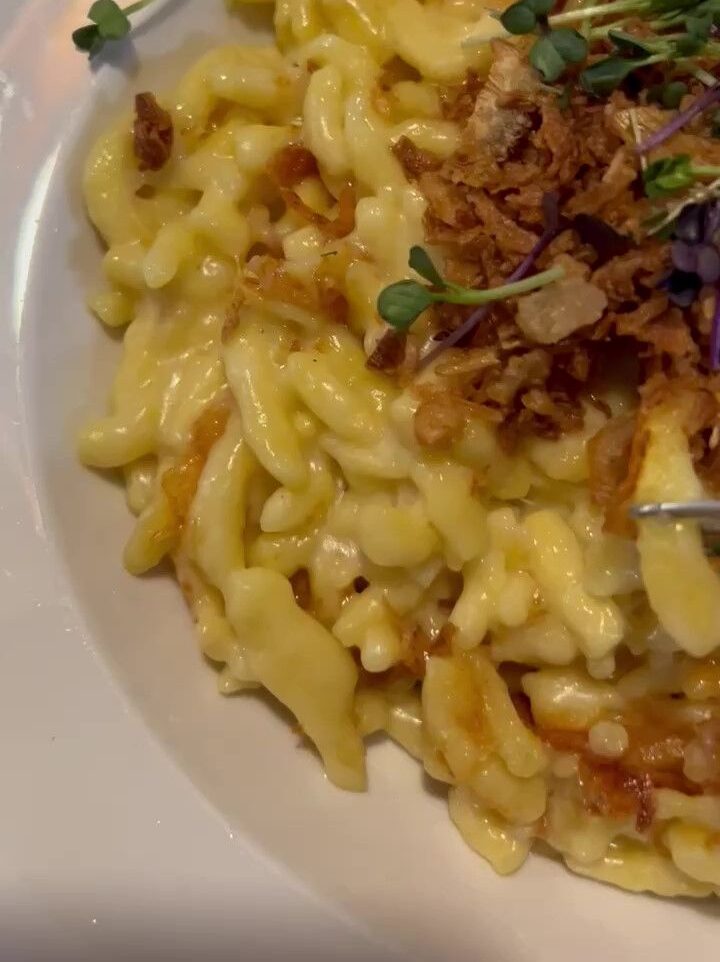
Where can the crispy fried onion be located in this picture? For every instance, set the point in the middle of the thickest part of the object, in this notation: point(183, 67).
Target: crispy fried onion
point(552, 348)
point(153, 133)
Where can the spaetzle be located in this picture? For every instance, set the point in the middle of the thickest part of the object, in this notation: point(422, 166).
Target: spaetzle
point(463, 598)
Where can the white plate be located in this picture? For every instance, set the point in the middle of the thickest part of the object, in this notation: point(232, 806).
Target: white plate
point(141, 813)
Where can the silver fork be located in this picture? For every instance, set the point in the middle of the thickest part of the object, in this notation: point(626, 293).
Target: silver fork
point(706, 513)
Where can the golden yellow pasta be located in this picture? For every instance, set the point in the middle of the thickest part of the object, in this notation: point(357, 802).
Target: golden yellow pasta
point(374, 562)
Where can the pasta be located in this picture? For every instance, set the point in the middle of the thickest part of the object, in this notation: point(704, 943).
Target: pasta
point(370, 582)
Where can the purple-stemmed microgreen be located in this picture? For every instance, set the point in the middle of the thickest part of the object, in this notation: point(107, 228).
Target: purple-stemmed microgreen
point(696, 264)
point(551, 218)
point(401, 304)
point(697, 107)
point(715, 340)
point(679, 32)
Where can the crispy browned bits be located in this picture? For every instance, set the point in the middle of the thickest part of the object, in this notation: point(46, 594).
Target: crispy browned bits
point(292, 165)
point(608, 789)
point(180, 482)
point(439, 421)
point(335, 228)
point(300, 584)
point(153, 133)
point(484, 209)
point(389, 352)
point(414, 160)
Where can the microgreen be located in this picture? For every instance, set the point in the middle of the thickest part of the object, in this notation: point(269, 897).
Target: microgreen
point(690, 226)
point(668, 176)
point(422, 264)
point(552, 224)
point(524, 16)
point(669, 95)
point(672, 174)
point(108, 21)
point(696, 263)
point(715, 349)
point(663, 222)
point(571, 46)
point(546, 59)
point(604, 76)
point(519, 19)
point(673, 93)
point(540, 7)
point(700, 259)
point(706, 100)
point(628, 45)
point(552, 53)
point(688, 46)
point(699, 27)
point(676, 33)
point(681, 287)
point(402, 303)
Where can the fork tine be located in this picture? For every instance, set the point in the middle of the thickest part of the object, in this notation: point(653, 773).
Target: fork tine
point(692, 510)
point(705, 513)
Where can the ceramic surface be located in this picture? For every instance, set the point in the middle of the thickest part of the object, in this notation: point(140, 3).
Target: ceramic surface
point(141, 814)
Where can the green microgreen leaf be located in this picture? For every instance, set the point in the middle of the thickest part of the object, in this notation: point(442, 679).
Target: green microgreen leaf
point(546, 60)
point(88, 39)
point(688, 45)
point(668, 176)
point(604, 76)
point(705, 7)
point(628, 45)
point(421, 263)
point(670, 6)
point(540, 8)
point(672, 94)
point(677, 30)
point(699, 27)
point(108, 21)
point(519, 19)
point(112, 22)
point(669, 95)
point(571, 46)
point(402, 303)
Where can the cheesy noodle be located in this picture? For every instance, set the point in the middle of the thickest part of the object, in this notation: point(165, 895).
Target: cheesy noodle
point(462, 599)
